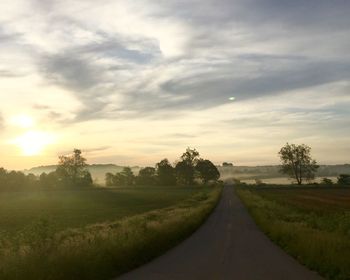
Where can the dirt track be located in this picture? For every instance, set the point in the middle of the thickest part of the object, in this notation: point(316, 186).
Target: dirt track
point(227, 246)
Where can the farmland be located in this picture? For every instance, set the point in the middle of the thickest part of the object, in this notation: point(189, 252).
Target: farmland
point(312, 224)
point(95, 234)
point(77, 208)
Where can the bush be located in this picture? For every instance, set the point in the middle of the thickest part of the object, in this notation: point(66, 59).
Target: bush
point(344, 179)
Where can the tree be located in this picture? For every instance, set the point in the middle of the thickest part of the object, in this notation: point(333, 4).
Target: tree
point(165, 173)
point(185, 169)
point(207, 170)
point(297, 162)
point(344, 179)
point(72, 170)
point(326, 181)
point(86, 179)
point(50, 180)
point(124, 178)
point(128, 176)
point(147, 176)
point(191, 156)
point(109, 178)
point(185, 173)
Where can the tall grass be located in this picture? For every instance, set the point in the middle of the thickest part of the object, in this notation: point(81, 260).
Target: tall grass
point(318, 239)
point(104, 250)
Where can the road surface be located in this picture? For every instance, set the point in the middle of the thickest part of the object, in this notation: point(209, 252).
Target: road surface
point(227, 246)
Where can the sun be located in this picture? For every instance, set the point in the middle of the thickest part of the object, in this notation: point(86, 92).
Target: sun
point(32, 143)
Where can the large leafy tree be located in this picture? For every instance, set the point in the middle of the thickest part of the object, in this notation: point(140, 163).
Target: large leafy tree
point(165, 173)
point(185, 169)
point(296, 162)
point(207, 171)
point(72, 170)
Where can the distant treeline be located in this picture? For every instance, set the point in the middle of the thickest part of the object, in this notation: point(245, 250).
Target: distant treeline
point(70, 172)
point(226, 170)
point(188, 170)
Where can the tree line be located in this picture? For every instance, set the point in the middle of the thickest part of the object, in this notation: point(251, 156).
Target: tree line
point(188, 170)
point(71, 172)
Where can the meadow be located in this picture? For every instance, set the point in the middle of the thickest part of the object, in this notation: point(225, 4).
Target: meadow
point(76, 208)
point(95, 234)
point(310, 223)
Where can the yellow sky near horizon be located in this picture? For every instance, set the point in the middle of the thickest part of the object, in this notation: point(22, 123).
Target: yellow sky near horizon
point(133, 82)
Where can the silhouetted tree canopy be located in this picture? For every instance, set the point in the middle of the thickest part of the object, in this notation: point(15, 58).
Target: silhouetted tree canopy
point(16, 180)
point(191, 156)
point(189, 168)
point(147, 176)
point(165, 173)
point(207, 171)
point(72, 171)
point(124, 178)
point(185, 172)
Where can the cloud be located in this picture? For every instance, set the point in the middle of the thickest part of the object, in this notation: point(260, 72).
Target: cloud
point(143, 63)
point(245, 49)
point(1, 122)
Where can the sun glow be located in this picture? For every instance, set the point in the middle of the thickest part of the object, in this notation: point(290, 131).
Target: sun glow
point(33, 142)
point(23, 121)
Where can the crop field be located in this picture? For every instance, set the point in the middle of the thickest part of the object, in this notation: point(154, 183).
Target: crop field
point(95, 234)
point(283, 180)
point(76, 208)
point(311, 224)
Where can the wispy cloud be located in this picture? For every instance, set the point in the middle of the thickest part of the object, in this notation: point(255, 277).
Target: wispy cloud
point(194, 62)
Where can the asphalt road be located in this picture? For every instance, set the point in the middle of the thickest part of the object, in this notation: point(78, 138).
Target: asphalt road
point(227, 246)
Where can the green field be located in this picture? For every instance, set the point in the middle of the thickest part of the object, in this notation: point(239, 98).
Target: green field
point(95, 234)
point(311, 224)
point(69, 208)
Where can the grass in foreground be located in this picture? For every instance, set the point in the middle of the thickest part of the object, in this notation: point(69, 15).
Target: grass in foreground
point(313, 225)
point(104, 250)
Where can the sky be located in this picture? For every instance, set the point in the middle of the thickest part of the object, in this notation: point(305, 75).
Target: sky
point(133, 82)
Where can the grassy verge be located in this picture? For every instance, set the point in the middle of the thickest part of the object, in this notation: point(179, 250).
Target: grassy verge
point(311, 225)
point(103, 250)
